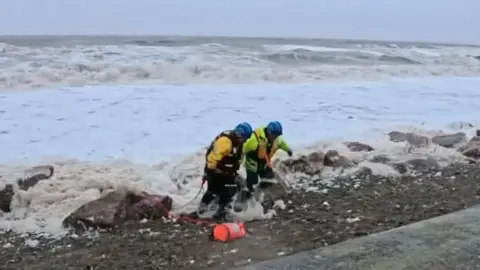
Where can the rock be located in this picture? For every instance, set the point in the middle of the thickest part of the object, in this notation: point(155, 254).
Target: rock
point(29, 182)
point(299, 164)
point(316, 160)
point(310, 165)
point(417, 141)
point(422, 164)
point(6, 194)
point(358, 147)
point(117, 207)
point(472, 152)
point(150, 206)
point(334, 159)
point(272, 191)
point(384, 159)
point(417, 164)
point(411, 138)
point(363, 173)
point(472, 148)
point(396, 136)
point(400, 167)
point(449, 140)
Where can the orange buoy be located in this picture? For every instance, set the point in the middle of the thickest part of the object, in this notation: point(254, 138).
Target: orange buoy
point(228, 231)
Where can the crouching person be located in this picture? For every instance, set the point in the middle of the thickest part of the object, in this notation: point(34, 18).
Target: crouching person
point(223, 159)
point(259, 149)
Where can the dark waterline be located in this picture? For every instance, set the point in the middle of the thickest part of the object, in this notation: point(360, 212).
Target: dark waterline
point(173, 41)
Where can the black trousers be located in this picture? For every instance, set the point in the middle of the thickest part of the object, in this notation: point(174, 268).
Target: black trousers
point(221, 185)
point(253, 177)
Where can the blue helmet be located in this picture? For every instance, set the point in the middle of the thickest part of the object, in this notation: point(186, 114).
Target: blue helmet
point(275, 128)
point(244, 130)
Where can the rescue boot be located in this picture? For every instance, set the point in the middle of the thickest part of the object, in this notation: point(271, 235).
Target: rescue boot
point(207, 199)
point(241, 202)
point(220, 215)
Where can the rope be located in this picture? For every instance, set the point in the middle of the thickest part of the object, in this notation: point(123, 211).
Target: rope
point(189, 202)
point(172, 216)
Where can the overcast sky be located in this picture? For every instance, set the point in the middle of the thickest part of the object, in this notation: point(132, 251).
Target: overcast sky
point(421, 20)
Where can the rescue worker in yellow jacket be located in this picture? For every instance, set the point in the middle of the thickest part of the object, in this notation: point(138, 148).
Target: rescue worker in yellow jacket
point(259, 149)
point(223, 159)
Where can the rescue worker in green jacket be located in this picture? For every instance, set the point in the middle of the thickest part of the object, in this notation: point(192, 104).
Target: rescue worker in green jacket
point(223, 159)
point(259, 149)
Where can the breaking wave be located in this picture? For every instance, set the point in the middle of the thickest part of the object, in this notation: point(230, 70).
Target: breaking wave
point(169, 61)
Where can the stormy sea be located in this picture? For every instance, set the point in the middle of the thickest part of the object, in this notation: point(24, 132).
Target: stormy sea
point(93, 129)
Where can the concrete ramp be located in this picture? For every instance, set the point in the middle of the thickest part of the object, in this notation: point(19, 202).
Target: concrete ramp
point(447, 242)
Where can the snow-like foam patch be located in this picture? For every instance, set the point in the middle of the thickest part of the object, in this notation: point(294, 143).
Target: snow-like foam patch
point(280, 204)
point(377, 169)
point(255, 211)
point(43, 207)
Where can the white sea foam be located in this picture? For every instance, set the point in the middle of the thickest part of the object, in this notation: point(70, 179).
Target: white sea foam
point(43, 207)
point(121, 139)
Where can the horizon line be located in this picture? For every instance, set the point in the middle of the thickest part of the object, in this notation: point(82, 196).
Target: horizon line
point(241, 37)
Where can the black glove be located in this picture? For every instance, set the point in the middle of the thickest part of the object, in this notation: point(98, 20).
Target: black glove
point(206, 175)
point(290, 153)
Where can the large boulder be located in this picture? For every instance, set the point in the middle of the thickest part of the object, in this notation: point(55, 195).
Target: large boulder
point(313, 163)
point(310, 164)
point(449, 140)
point(358, 147)
point(6, 194)
point(472, 148)
point(117, 207)
point(413, 139)
point(419, 164)
point(334, 159)
point(381, 158)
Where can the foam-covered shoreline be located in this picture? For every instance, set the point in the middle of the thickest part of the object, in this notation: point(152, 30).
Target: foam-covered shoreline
point(401, 153)
point(354, 206)
point(339, 190)
point(43, 208)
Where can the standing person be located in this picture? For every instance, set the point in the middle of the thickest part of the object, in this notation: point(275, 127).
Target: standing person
point(223, 159)
point(259, 149)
